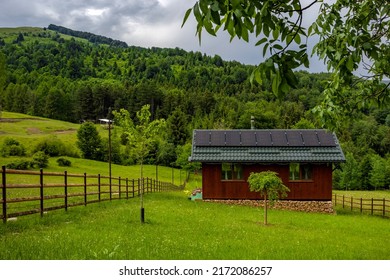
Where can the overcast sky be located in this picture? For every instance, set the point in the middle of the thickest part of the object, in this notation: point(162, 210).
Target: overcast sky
point(145, 23)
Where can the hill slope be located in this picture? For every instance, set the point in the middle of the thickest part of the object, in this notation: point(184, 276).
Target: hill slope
point(30, 131)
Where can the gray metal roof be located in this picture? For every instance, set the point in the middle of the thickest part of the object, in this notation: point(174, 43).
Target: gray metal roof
point(266, 146)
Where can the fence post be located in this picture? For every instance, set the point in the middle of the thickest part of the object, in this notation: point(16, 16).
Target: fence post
point(66, 189)
point(351, 203)
point(133, 187)
point(110, 183)
point(41, 190)
point(343, 201)
point(335, 199)
point(99, 187)
point(119, 187)
point(127, 188)
point(139, 185)
point(372, 206)
point(4, 194)
point(384, 207)
point(361, 205)
point(85, 189)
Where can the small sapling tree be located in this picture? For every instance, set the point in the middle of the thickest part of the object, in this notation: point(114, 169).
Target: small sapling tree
point(270, 186)
point(140, 137)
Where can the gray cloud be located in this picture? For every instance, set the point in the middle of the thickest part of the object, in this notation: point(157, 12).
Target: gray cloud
point(144, 23)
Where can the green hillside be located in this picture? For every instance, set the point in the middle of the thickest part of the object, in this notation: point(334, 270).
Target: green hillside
point(52, 75)
point(30, 131)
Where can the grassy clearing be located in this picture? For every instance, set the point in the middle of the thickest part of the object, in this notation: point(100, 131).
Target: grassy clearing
point(363, 202)
point(79, 166)
point(364, 194)
point(177, 228)
point(30, 130)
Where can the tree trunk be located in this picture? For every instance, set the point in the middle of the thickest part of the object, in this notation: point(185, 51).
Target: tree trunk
point(142, 195)
point(265, 209)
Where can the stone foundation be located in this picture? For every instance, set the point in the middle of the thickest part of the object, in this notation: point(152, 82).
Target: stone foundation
point(303, 206)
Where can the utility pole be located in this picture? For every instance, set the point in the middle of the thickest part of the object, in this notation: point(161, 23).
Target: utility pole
point(109, 150)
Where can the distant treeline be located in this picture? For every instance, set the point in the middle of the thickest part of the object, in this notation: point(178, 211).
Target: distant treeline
point(93, 38)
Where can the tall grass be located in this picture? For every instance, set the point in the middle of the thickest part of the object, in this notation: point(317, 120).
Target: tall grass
point(177, 228)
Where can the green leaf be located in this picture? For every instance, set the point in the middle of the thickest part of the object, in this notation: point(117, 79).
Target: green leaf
point(245, 34)
point(265, 48)
point(197, 13)
point(297, 39)
point(276, 83)
point(187, 14)
point(266, 29)
point(278, 47)
point(350, 64)
point(275, 33)
point(261, 41)
point(215, 17)
point(258, 77)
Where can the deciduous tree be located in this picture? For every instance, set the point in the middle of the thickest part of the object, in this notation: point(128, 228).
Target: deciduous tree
point(140, 136)
point(269, 185)
point(89, 141)
point(351, 34)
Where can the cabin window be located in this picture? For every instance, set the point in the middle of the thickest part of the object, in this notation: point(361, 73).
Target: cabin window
point(300, 171)
point(231, 171)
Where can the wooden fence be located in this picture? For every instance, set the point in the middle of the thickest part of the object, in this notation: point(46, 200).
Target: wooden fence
point(373, 206)
point(29, 192)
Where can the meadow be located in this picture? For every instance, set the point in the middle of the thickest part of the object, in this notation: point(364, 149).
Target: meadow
point(176, 228)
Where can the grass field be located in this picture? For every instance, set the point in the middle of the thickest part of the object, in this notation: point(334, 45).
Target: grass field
point(177, 228)
point(364, 194)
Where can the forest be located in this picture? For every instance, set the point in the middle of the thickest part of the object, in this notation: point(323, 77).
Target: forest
point(61, 76)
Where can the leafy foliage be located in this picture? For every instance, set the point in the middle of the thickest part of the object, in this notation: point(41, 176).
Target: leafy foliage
point(89, 141)
point(141, 135)
point(350, 33)
point(12, 147)
point(269, 185)
point(19, 164)
point(64, 162)
point(40, 159)
point(51, 146)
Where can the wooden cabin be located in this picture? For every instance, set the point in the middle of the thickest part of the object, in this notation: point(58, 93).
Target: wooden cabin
point(304, 160)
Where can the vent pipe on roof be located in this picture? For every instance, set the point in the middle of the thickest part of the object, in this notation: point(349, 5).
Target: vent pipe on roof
point(252, 122)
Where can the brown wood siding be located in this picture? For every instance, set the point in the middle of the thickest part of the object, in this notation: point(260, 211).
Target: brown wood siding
point(319, 188)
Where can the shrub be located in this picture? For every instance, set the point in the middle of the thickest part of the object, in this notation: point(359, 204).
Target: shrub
point(12, 147)
point(40, 159)
point(19, 164)
point(89, 141)
point(64, 162)
point(51, 146)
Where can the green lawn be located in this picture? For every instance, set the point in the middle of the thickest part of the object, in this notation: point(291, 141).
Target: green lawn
point(177, 228)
